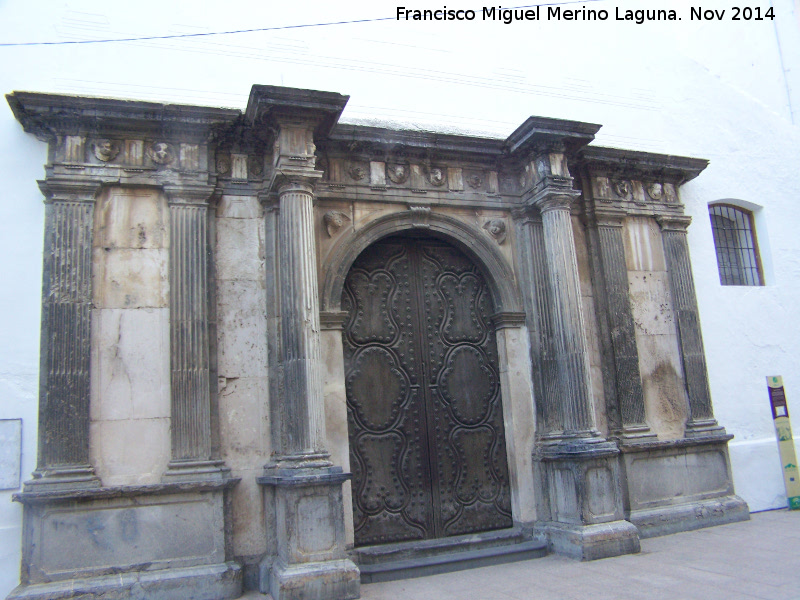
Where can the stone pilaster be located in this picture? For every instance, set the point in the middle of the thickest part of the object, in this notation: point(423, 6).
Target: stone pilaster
point(676, 249)
point(583, 507)
point(622, 380)
point(302, 441)
point(303, 498)
point(536, 295)
point(192, 440)
point(64, 392)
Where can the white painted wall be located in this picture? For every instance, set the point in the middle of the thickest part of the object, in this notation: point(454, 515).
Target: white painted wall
point(724, 91)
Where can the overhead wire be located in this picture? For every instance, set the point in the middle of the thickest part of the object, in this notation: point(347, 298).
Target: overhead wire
point(254, 30)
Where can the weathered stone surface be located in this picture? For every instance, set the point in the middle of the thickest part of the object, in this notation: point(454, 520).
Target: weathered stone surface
point(644, 250)
point(666, 404)
point(240, 248)
point(518, 416)
point(131, 278)
point(242, 329)
point(130, 359)
point(131, 218)
point(244, 420)
point(130, 451)
point(239, 207)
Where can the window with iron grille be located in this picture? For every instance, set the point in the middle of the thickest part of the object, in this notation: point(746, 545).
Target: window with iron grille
point(735, 242)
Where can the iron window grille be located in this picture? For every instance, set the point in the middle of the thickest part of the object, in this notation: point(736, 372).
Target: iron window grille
point(736, 245)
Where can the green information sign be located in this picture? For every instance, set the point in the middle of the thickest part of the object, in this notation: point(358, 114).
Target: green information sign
point(783, 431)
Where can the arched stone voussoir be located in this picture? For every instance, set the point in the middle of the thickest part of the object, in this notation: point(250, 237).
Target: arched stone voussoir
point(471, 240)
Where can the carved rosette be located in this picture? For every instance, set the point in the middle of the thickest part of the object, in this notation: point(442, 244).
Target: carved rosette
point(475, 181)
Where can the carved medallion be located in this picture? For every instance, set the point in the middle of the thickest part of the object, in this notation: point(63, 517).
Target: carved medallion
point(223, 164)
point(497, 229)
point(255, 166)
point(356, 172)
point(475, 181)
point(397, 173)
point(105, 149)
point(334, 221)
point(436, 176)
point(162, 153)
point(655, 191)
point(621, 188)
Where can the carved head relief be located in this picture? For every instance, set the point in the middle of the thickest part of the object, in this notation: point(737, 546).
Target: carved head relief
point(334, 221)
point(162, 153)
point(655, 191)
point(106, 150)
point(356, 172)
point(497, 229)
point(436, 176)
point(621, 188)
point(397, 173)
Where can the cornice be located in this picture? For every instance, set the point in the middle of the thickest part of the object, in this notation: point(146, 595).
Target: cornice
point(641, 165)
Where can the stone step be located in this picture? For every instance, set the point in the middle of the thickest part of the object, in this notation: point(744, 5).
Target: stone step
point(430, 557)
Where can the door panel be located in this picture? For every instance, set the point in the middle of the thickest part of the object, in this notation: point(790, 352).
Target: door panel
point(423, 395)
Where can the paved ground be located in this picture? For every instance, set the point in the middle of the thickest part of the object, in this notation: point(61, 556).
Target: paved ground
point(758, 559)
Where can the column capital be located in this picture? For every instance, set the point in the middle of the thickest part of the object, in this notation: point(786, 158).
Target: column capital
point(607, 216)
point(555, 198)
point(69, 190)
point(188, 195)
point(298, 183)
point(678, 223)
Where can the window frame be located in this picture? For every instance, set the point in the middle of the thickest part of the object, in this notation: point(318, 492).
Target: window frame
point(749, 218)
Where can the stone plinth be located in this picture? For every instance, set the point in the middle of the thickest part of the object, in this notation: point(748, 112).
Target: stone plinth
point(311, 561)
point(122, 542)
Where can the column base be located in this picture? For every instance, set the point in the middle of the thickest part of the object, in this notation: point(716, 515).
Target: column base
point(704, 428)
point(591, 542)
point(207, 582)
point(74, 477)
point(666, 520)
point(328, 580)
point(179, 471)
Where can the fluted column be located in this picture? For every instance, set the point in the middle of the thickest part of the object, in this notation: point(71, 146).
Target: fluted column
point(536, 295)
point(569, 338)
point(303, 416)
point(64, 390)
point(701, 414)
point(191, 427)
point(625, 395)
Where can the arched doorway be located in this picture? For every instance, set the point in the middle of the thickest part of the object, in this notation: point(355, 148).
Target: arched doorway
point(425, 419)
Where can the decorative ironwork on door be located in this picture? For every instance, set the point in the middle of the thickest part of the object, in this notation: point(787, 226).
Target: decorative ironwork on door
point(427, 447)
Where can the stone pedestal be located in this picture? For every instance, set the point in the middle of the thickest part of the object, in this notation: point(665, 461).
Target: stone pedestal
point(157, 541)
point(312, 561)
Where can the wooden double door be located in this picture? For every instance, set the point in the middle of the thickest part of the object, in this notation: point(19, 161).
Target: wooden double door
point(427, 446)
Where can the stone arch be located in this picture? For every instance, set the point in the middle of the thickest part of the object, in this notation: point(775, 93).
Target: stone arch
point(467, 238)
